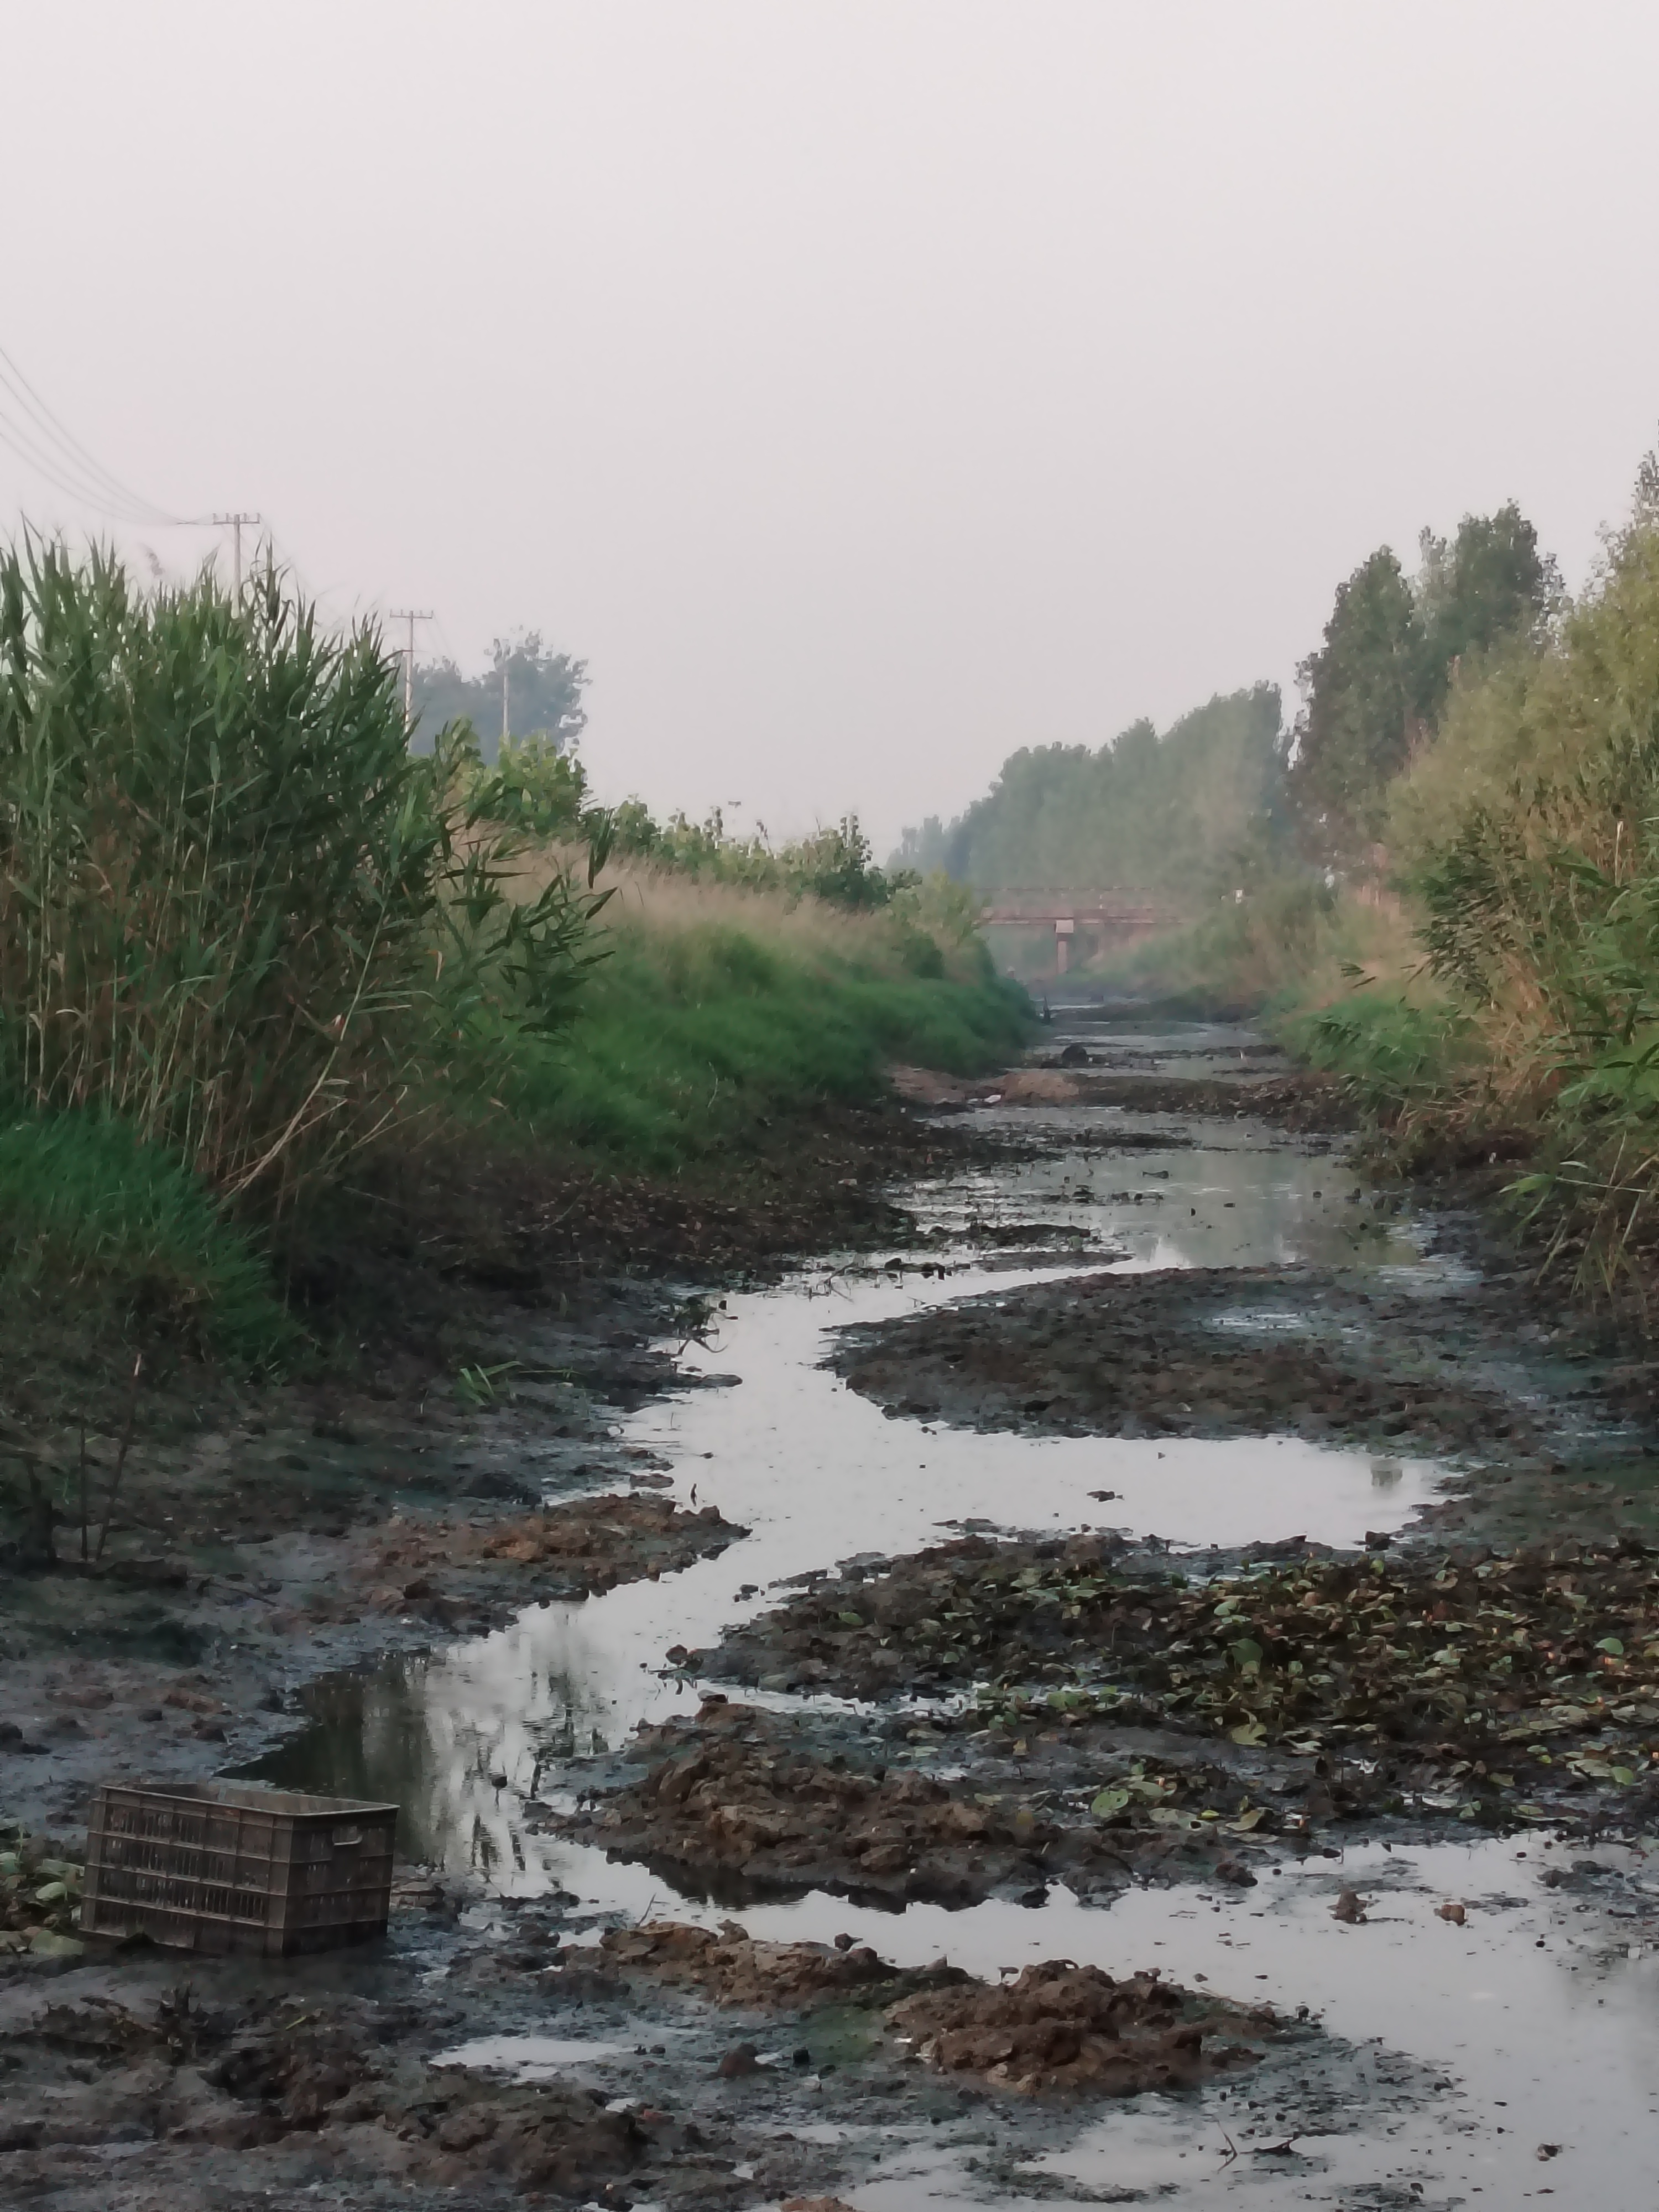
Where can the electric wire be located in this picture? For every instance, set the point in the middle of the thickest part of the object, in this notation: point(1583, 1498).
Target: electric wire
point(13, 436)
point(75, 457)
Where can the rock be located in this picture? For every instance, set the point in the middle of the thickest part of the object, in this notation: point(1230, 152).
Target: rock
point(743, 2058)
point(1455, 1913)
point(1235, 1871)
point(1348, 1907)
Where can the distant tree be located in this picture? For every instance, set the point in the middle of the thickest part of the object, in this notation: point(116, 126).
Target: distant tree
point(922, 850)
point(1489, 584)
point(1371, 692)
point(1144, 812)
point(1363, 708)
point(541, 692)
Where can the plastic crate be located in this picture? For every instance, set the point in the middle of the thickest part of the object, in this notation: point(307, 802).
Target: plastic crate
point(218, 1866)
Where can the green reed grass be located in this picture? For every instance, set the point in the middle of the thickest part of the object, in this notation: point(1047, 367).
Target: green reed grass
point(88, 1210)
point(235, 911)
point(692, 1037)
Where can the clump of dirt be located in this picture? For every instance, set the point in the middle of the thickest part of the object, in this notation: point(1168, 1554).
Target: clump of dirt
point(209, 2085)
point(1183, 1352)
point(736, 1803)
point(1060, 2026)
point(580, 1549)
point(1493, 1687)
point(740, 1804)
point(734, 1969)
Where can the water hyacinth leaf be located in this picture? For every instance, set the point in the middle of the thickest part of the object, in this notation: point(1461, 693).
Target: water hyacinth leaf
point(1249, 1732)
point(1247, 1651)
point(1611, 1646)
point(850, 1620)
point(1109, 1801)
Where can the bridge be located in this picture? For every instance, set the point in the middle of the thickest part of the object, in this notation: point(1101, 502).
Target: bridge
point(1103, 915)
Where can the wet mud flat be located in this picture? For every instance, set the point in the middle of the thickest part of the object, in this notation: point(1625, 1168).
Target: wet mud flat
point(896, 1850)
point(1186, 1351)
point(663, 2063)
point(1273, 1700)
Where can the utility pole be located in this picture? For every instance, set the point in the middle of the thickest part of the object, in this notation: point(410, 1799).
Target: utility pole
point(235, 522)
point(506, 726)
point(411, 615)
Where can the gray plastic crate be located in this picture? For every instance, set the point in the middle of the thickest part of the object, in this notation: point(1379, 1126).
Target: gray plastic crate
point(223, 1866)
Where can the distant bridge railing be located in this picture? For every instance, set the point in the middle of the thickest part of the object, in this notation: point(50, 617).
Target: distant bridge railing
point(1068, 914)
point(1091, 909)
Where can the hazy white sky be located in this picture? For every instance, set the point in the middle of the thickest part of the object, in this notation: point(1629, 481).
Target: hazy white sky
point(864, 386)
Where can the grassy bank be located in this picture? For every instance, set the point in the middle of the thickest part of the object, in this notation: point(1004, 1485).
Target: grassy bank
point(254, 954)
point(717, 1010)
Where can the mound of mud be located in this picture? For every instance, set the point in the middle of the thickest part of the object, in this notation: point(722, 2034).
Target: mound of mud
point(739, 1805)
point(577, 1550)
point(735, 1805)
point(1186, 1351)
point(215, 2086)
point(733, 1969)
point(1062, 2027)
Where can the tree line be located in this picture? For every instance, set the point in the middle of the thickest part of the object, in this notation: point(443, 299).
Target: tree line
point(1200, 808)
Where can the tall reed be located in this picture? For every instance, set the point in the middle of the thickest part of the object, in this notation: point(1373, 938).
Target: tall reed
point(235, 911)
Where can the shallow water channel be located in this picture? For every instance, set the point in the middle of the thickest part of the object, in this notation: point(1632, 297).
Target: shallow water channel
point(1529, 2026)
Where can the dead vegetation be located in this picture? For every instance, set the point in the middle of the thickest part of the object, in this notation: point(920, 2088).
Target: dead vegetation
point(1497, 1689)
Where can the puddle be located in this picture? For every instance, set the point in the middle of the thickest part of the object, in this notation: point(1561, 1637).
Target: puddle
point(817, 1472)
point(1557, 2044)
point(1241, 1199)
point(528, 2057)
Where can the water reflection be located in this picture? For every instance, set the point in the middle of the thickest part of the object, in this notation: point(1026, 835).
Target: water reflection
point(463, 1738)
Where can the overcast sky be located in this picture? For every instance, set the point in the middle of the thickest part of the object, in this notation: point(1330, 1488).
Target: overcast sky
point(864, 387)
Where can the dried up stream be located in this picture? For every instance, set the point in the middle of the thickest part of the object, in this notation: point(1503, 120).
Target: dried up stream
point(1533, 2027)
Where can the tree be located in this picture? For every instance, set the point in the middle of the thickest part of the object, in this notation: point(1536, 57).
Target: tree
point(1144, 812)
point(1375, 686)
point(1491, 584)
point(542, 693)
point(1362, 708)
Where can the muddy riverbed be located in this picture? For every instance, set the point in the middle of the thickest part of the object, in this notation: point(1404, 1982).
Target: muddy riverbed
point(1060, 1558)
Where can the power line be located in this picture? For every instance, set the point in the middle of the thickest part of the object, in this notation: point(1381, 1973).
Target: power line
point(56, 473)
point(109, 493)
